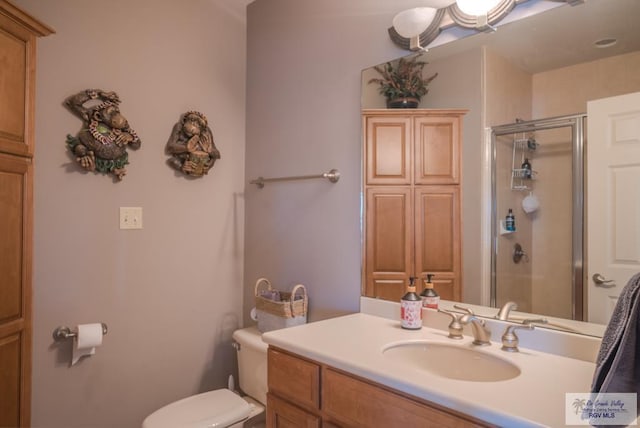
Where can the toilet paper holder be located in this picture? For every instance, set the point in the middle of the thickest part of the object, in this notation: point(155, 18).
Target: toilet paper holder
point(63, 333)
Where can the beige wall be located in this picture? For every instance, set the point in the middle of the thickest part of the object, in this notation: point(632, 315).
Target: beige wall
point(508, 96)
point(566, 90)
point(170, 293)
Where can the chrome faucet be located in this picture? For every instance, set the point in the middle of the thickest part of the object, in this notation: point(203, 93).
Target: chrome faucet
point(481, 334)
point(503, 313)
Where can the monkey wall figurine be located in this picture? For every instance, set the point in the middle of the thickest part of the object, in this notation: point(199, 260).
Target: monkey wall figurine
point(191, 145)
point(101, 144)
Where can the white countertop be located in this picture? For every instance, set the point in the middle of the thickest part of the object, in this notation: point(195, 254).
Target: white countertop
point(354, 343)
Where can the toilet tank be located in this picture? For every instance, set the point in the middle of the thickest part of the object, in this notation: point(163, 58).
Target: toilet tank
point(252, 363)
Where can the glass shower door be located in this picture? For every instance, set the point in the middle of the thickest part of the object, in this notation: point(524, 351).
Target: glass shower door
point(537, 179)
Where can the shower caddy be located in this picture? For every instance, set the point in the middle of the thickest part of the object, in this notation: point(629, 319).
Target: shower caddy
point(521, 178)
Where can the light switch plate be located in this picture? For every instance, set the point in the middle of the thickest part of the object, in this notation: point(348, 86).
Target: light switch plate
point(130, 217)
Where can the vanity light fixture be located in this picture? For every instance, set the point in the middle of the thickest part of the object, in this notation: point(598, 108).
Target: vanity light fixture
point(411, 23)
point(476, 7)
point(480, 14)
point(414, 29)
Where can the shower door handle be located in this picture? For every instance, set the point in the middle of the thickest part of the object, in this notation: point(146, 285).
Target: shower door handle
point(601, 281)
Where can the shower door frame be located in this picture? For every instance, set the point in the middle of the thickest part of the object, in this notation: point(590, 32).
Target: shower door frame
point(577, 124)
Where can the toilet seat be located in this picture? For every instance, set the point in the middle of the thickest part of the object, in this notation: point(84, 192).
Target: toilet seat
point(213, 409)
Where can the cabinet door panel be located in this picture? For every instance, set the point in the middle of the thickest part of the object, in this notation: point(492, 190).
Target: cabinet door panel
point(437, 224)
point(14, 191)
point(294, 378)
point(282, 414)
point(357, 403)
point(389, 249)
point(437, 150)
point(15, 288)
point(17, 53)
point(388, 150)
point(10, 384)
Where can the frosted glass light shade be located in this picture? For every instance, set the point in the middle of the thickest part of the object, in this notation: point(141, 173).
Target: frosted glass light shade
point(412, 22)
point(477, 7)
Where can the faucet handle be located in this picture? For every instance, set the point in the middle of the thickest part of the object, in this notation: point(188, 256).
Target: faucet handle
point(510, 340)
point(462, 308)
point(455, 327)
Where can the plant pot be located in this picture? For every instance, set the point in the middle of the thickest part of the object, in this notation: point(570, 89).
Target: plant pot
point(403, 102)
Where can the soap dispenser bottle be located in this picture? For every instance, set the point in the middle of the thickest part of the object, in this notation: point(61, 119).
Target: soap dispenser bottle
point(430, 298)
point(411, 308)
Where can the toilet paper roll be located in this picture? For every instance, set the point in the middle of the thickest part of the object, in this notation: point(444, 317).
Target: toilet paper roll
point(254, 314)
point(88, 338)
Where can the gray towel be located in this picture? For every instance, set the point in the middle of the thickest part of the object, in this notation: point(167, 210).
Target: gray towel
point(618, 362)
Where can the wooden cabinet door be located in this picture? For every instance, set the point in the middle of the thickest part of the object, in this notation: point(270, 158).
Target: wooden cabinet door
point(15, 289)
point(18, 32)
point(360, 404)
point(282, 414)
point(293, 378)
point(388, 149)
point(437, 149)
point(438, 241)
point(389, 242)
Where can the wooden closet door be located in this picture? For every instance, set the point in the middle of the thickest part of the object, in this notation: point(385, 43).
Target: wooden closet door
point(15, 290)
point(389, 242)
point(388, 149)
point(18, 33)
point(437, 149)
point(438, 238)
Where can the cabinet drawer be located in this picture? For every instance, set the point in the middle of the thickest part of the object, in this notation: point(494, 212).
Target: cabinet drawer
point(293, 378)
point(355, 403)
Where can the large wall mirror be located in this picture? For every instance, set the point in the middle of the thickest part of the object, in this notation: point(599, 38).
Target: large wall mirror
point(547, 65)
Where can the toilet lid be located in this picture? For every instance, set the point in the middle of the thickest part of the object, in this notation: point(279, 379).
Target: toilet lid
point(219, 408)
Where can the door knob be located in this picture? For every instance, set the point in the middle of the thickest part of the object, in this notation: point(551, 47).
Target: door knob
point(601, 281)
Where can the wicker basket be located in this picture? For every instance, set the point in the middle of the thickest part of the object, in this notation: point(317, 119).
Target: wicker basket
point(289, 311)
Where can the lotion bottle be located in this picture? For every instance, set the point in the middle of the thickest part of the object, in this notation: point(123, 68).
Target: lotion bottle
point(411, 308)
point(430, 298)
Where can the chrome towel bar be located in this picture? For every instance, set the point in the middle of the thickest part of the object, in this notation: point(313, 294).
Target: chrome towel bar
point(333, 176)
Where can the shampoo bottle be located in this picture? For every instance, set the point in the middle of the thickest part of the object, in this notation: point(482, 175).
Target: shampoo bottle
point(510, 221)
point(411, 308)
point(430, 298)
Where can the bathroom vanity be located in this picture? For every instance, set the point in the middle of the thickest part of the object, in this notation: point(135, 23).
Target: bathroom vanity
point(363, 370)
point(304, 392)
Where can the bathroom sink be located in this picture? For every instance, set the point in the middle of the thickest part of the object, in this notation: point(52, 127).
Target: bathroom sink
point(452, 361)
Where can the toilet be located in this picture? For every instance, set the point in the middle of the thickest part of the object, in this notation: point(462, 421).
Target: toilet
point(224, 408)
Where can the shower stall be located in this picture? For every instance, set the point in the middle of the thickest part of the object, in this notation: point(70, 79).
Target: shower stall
point(537, 179)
